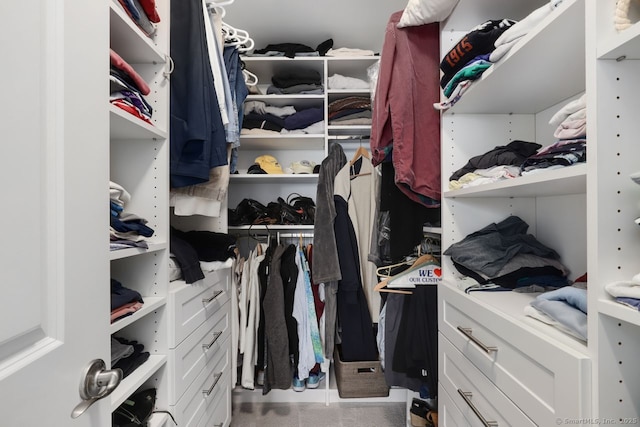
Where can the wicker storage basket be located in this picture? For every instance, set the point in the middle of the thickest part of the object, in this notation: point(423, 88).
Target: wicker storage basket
point(359, 379)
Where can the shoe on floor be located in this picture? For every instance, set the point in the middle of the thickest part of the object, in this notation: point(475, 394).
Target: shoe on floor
point(298, 384)
point(314, 380)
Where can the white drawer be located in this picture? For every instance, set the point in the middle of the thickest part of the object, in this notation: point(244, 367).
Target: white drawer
point(190, 305)
point(484, 401)
point(219, 414)
point(205, 390)
point(192, 355)
point(546, 379)
point(448, 413)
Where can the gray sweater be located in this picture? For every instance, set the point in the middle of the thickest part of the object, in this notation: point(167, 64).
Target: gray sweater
point(326, 267)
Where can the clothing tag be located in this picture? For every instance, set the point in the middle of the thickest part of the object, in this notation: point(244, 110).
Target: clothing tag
point(425, 275)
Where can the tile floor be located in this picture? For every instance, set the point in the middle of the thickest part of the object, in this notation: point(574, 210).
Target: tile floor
point(318, 415)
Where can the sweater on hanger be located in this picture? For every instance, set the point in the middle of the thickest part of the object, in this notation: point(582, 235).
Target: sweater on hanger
point(404, 120)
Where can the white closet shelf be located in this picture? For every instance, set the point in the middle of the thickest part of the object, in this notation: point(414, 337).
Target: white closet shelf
point(287, 97)
point(270, 227)
point(556, 46)
point(282, 142)
point(348, 91)
point(129, 252)
point(349, 129)
point(512, 304)
point(136, 379)
point(618, 311)
point(129, 41)
point(150, 304)
point(124, 125)
point(158, 420)
point(267, 178)
point(622, 44)
point(569, 180)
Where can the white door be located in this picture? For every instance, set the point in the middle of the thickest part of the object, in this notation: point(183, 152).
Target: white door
point(54, 300)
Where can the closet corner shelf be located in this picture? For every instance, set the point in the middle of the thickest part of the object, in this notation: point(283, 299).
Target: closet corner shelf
point(126, 253)
point(150, 304)
point(537, 87)
point(624, 43)
point(128, 40)
point(136, 379)
point(126, 126)
point(271, 178)
point(569, 180)
point(619, 312)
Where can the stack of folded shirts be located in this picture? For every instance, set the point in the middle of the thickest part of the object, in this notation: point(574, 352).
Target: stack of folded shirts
point(124, 301)
point(299, 81)
point(143, 13)
point(127, 88)
point(127, 355)
point(126, 229)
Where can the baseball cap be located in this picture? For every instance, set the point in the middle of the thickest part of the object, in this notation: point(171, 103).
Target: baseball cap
point(269, 164)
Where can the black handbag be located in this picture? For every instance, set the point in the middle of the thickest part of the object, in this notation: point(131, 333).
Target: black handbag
point(136, 410)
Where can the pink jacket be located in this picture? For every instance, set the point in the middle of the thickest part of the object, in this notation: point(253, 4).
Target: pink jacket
point(404, 120)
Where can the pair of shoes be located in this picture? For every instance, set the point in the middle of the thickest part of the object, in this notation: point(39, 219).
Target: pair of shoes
point(314, 380)
point(418, 413)
point(432, 417)
point(298, 384)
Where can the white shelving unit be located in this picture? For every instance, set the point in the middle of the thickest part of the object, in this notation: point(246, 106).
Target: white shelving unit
point(613, 238)
point(139, 162)
point(536, 374)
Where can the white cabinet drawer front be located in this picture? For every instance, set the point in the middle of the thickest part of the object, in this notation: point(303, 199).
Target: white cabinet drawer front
point(219, 414)
point(196, 351)
point(190, 305)
point(479, 400)
point(448, 413)
point(204, 390)
point(545, 379)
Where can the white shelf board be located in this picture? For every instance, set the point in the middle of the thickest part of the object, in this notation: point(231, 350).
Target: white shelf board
point(268, 59)
point(282, 142)
point(619, 311)
point(276, 97)
point(128, 41)
point(569, 180)
point(349, 130)
point(129, 252)
point(271, 178)
point(348, 91)
point(512, 304)
point(625, 43)
point(150, 304)
point(124, 125)
point(278, 227)
point(136, 379)
point(158, 420)
point(556, 46)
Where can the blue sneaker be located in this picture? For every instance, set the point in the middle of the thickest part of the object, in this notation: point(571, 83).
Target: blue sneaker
point(298, 384)
point(314, 380)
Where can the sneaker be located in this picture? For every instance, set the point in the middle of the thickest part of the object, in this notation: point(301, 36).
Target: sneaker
point(298, 384)
point(314, 380)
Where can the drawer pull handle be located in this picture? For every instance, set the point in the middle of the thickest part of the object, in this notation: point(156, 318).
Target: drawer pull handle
point(215, 381)
point(216, 335)
point(466, 395)
point(467, 332)
point(215, 295)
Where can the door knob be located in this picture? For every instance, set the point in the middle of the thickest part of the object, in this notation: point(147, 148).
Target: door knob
point(96, 382)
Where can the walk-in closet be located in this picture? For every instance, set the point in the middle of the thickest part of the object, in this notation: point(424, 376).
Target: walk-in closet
point(320, 213)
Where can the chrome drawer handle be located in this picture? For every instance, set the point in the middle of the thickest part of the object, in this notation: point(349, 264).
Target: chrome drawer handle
point(215, 381)
point(216, 335)
point(215, 295)
point(467, 332)
point(466, 395)
point(218, 425)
